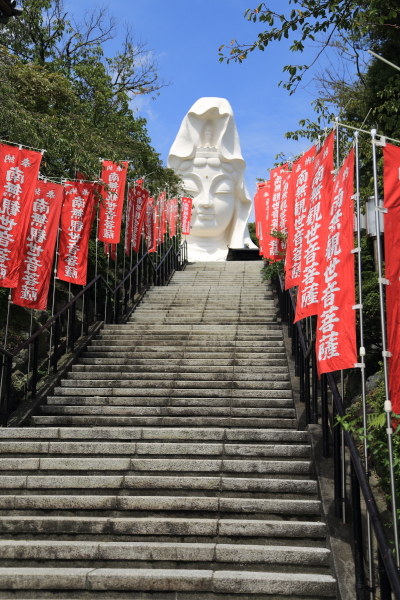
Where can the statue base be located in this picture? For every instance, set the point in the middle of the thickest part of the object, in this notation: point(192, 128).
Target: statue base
point(244, 254)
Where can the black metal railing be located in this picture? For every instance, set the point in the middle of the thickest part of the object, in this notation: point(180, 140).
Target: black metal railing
point(98, 303)
point(303, 350)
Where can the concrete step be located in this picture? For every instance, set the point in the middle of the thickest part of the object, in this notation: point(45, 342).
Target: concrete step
point(199, 421)
point(185, 433)
point(220, 582)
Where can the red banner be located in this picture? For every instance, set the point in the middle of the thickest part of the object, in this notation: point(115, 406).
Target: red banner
point(139, 211)
point(163, 215)
point(110, 214)
point(76, 223)
point(316, 231)
point(265, 219)
point(297, 212)
point(286, 200)
point(186, 214)
point(38, 248)
point(258, 201)
point(278, 180)
point(19, 169)
point(391, 181)
point(149, 225)
point(172, 215)
point(336, 325)
point(129, 220)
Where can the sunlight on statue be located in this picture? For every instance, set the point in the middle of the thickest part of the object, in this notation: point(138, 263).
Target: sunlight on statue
point(206, 154)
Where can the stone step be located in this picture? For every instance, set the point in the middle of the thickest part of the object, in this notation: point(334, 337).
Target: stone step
point(175, 411)
point(186, 433)
point(295, 488)
point(104, 421)
point(160, 504)
point(168, 401)
point(21, 550)
point(238, 381)
point(162, 527)
point(280, 365)
point(141, 448)
point(219, 582)
point(151, 362)
point(169, 465)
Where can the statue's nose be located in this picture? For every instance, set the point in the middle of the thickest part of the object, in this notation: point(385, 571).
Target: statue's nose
point(206, 201)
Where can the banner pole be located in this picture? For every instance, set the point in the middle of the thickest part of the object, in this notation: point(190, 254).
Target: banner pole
point(385, 353)
point(29, 356)
point(54, 296)
point(5, 339)
point(66, 337)
point(96, 259)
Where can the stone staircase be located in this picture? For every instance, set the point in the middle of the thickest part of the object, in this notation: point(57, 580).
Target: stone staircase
point(168, 465)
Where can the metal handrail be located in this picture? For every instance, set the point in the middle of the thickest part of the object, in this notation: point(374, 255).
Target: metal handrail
point(54, 321)
point(382, 540)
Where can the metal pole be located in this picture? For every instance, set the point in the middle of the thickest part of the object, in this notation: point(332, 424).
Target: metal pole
point(385, 353)
point(357, 534)
point(5, 341)
point(96, 261)
point(66, 337)
point(54, 297)
point(362, 360)
point(29, 356)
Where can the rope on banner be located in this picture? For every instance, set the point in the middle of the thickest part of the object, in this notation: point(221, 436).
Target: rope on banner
point(385, 353)
point(9, 302)
point(20, 146)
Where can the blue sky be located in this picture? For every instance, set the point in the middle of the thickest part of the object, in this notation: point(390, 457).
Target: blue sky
point(185, 36)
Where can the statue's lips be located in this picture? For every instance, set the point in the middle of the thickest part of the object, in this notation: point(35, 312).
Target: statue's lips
point(206, 216)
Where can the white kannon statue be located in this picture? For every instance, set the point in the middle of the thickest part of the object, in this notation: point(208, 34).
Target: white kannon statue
point(206, 154)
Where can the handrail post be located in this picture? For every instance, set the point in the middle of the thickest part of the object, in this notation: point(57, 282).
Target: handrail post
point(301, 373)
point(324, 412)
point(35, 365)
point(384, 583)
point(7, 366)
point(56, 342)
point(87, 307)
point(307, 388)
point(337, 464)
point(296, 342)
point(314, 384)
point(357, 534)
point(117, 300)
point(73, 313)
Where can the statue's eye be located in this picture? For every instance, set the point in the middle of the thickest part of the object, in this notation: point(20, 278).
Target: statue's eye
point(223, 187)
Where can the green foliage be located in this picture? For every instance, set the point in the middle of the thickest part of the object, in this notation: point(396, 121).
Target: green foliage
point(376, 436)
point(61, 92)
point(252, 232)
point(272, 270)
point(313, 18)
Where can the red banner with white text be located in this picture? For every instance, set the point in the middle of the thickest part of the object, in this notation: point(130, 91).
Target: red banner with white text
point(265, 208)
point(110, 213)
point(149, 225)
point(297, 213)
point(76, 223)
point(19, 169)
point(258, 200)
point(172, 216)
point(278, 187)
point(286, 201)
point(391, 182)
point(38, 248)
point(316, 231)
point(139, 212)
point(336, 325)
point(186, 214)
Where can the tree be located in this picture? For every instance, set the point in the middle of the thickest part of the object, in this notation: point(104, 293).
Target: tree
point(353, 21)
point(60, 92)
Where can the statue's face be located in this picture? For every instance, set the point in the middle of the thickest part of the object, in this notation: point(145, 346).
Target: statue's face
point(213, 193)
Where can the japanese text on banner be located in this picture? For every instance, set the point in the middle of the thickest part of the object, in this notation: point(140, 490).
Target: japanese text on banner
point(316, 231)
point(110, 214)
point(186, 213)
point(336, 324)
point(39, 246)
point(76, 223)
point(19, 169)
point(297, 213)
point(139, 210)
